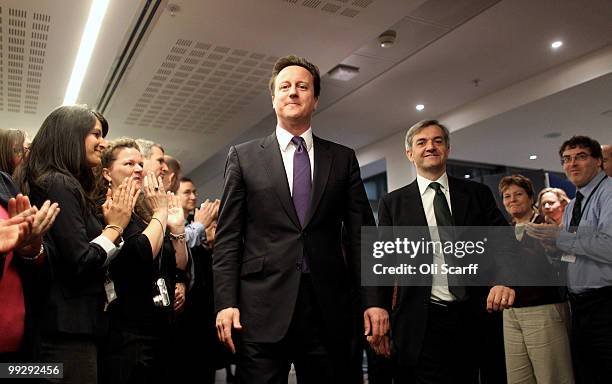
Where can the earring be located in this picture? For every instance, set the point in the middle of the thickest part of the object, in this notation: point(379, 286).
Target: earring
point(110, 183)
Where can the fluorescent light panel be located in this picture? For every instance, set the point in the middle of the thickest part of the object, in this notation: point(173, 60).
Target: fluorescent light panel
point(343, 72)
point(88, 42)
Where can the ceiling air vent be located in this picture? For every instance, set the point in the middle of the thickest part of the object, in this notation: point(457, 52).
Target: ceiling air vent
point(199, 87)
point(21, 69)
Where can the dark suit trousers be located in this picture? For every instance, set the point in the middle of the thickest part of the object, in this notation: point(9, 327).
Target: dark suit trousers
point(78, 353)
point(446, 351)
point(592, 336)
point(317, 358)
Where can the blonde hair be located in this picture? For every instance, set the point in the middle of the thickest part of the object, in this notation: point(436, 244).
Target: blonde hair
point(561, 195)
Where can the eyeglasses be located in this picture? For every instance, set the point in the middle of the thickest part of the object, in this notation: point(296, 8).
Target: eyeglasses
point(21, 150)
point(580, 157)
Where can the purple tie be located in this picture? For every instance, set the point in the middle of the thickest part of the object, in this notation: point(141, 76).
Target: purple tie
point(302, 184)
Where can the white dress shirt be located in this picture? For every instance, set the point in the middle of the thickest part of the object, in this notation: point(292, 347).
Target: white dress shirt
point(439, 289)
point(287, 149)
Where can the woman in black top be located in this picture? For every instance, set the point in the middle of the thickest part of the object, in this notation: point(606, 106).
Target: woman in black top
point(68, 145)
point(535, 329)
point(144, 272)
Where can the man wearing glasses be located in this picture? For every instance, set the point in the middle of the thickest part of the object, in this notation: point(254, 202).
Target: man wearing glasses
point(195, 328)
point(585, 241)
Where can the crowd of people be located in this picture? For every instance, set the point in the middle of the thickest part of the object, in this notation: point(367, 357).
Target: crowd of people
point(110, 266)
point(100, 255)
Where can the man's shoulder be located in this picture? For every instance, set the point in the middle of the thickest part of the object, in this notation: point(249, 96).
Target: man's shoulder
point(607, 184)
point(400, 193)
point(468, 185)
point(252, 144)
point(331, 145)
point(606, 189)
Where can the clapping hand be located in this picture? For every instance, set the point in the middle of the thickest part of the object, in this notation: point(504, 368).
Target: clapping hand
point(118, 207)
point(40, 221)
point(207, 213)
point(12, 231)
point(156, 198)
point(545, 232)
point(176, 215)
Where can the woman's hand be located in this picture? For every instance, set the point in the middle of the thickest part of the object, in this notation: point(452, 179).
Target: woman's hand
point(179, 297)
point(12, 232)
point(41, 221)
point(155, 196)
point(176, 215)
point(117, 209)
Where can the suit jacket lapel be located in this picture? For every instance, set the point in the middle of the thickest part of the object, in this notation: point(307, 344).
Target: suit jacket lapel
point(412, 199)
point(459, 202)
point(273, 162)
point(322, 167)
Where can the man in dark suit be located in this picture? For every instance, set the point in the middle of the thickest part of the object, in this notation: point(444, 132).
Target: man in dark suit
point(282, 277)
point(438, 330)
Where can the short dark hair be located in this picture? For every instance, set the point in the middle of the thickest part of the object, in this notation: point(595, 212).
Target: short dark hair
point(582, 142)
point(174, 166)
point(418, 127)
point(291, 60)
point(518, 180)
point(186, 180)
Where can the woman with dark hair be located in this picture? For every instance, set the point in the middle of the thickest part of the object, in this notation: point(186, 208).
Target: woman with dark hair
point(144, 272)
point(13, 149)
point(67, 147)
point(536, 337)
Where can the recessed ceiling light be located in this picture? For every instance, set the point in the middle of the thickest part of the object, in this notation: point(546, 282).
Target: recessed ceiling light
point(387, 38)
point(466, 176)
point(556, 44)
point(533, 157)
point(88, 42)
point(420, 107)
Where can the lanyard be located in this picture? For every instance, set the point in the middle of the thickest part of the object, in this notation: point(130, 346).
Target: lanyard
point(583, 208)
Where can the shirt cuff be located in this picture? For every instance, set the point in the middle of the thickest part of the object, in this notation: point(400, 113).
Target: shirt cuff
point(194, 232)
point(198, 227)
point(109, 247)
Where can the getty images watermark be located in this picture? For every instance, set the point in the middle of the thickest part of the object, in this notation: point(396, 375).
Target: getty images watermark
point(464, 255)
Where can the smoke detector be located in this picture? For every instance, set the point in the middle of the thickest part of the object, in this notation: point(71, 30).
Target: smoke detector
point(387, 38)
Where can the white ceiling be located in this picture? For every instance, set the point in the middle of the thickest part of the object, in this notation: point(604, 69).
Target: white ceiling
point(198, 80)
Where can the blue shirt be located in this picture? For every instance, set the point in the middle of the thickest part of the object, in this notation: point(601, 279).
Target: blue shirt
point(194, 234)
point(592, 242)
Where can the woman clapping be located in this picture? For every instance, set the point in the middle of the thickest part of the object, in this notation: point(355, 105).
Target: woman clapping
point(63, 154)
point(144, 273)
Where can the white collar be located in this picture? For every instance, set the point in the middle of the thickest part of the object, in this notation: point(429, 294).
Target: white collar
point(423, 183)
point(284, 138)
